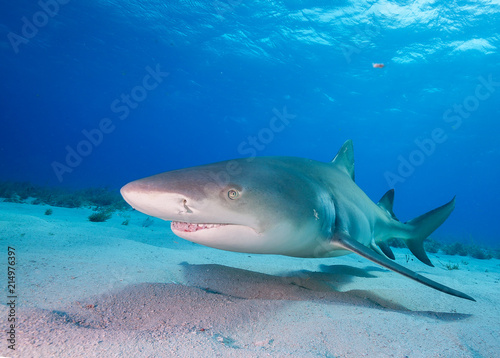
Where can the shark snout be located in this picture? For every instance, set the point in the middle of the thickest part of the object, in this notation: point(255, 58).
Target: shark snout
point(154, 202)
point(130, 192)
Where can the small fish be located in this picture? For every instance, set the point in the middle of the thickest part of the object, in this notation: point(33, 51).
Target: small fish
point(378, 65)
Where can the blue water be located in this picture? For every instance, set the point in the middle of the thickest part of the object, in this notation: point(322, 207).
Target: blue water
point(233, 66)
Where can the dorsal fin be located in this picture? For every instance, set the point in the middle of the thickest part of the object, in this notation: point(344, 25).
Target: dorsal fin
point(345, 158)
point(387, 202)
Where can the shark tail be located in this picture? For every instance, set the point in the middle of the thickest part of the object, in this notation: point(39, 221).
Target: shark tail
point(421, 227)
point(413, 233)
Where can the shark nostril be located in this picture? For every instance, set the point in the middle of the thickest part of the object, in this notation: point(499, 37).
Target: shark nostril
point(188, 210)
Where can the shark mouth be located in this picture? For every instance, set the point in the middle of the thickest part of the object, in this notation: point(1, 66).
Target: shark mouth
point(190, 227)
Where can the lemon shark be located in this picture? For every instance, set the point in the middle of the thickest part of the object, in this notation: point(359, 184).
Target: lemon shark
point(285, 206)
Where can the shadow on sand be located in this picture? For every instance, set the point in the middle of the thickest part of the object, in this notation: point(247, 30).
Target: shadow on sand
point(325, 286)
point(220, 296)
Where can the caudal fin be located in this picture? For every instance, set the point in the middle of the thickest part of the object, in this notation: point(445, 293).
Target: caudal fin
point(421, 227)
point(413, 233)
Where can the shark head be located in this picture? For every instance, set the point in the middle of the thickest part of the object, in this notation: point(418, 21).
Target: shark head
point(239, 205)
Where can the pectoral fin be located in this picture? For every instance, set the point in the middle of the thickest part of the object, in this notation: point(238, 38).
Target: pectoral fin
point(343, 240)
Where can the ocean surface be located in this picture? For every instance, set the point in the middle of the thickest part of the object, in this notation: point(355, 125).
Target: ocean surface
point(99, 93)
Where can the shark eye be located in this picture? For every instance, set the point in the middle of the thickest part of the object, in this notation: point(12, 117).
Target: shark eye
point(232, 194)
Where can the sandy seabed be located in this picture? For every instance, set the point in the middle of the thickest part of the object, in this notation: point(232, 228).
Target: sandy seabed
point(87, 289)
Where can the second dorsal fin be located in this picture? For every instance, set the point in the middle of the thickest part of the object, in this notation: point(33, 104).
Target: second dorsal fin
point(387, 202)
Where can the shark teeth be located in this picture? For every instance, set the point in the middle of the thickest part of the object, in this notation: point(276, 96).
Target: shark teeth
point(190, 227)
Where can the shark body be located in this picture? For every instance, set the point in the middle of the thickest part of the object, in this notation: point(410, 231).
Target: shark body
point(285, 206)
